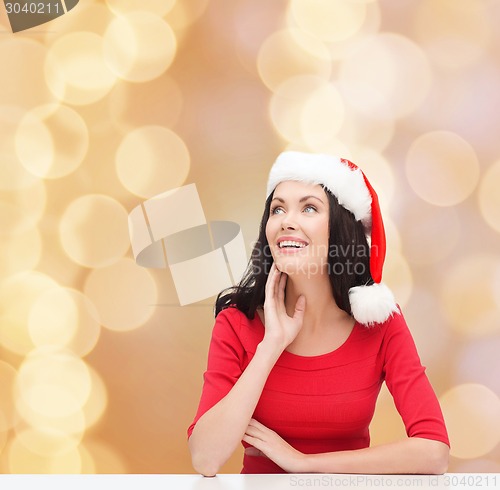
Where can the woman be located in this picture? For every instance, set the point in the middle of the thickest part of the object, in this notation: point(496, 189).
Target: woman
point(301, 347)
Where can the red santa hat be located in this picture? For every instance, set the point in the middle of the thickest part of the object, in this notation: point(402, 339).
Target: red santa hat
point(369, 303)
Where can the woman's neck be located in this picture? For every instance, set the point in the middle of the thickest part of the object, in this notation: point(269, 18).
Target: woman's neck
point(321, 308)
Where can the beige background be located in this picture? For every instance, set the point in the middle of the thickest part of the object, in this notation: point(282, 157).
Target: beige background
point(118, 101)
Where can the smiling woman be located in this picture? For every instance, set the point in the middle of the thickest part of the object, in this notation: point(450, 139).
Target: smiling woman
point(301, 347)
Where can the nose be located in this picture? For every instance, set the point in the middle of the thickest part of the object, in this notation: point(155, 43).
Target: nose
point(288, 223)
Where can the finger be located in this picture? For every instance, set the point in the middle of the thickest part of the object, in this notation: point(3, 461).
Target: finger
point(270, 282)
point(256, 423)
point(256, 429)
point(253, 432)
point(256, 443)
point(278, 284)
point(253, 451)
point(300, 307)
point(281, 289)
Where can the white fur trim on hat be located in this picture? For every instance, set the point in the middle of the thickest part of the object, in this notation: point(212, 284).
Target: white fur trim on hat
point(346, 183)
point(372, 304)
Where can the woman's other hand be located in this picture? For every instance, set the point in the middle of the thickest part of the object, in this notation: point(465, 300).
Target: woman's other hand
point(267, 443)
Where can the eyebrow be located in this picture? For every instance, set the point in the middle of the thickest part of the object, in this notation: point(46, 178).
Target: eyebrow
point(305, 198)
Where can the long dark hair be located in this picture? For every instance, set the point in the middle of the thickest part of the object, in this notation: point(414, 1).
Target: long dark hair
point(348, 262)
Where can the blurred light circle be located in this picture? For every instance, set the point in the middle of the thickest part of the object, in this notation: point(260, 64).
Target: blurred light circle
point(442, 168)
point(322, 115)
point(21, 210)
point(454, 34)
point(139, 46)
point(486, 324)
point(287, 104)
point(341, 49)
point(370, 121)
point(398, 276)
point(477, 466)
point(88, 463)
point(163, 156)
point(94, 230)
point(391, 66)
point(392, 236)
point(46, 442)
point(73, 424)
point(471, 412)
point(489, 197)
point(329, 20)
point(158, 7)
point(7, 407)
point(183, 14)
point(54, 382)
point(97, 402)
point(17, 295)
point(75, 69)
point(88, 328)
point(66, 318)
point(374, 131)
point(4, 433)
point(20, 252)
point(52, 141)
point(248, 27)
point(12, 174)
point(331, 147)
point(22, 460)
point(23, 84)
point(430, 234)
point(468, 294)
point(53, 318)
point(93, 15)
point(124, 294)
point(477, 360)
point(424, 315)
point(365, 98)
point(378, 171)
point(106, 459)
point(281, 57)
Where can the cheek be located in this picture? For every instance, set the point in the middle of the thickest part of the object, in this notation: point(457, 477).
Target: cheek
point(321, 231)
point(270, 231)
point(323, 235)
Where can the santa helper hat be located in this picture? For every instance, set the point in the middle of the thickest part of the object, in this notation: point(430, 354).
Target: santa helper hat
point(369, 304)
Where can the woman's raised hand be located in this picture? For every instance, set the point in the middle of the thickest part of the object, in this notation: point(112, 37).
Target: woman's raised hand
point(281, 328)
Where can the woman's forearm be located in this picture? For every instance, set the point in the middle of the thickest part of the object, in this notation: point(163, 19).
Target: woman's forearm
point(219, 430)
point(412, 456)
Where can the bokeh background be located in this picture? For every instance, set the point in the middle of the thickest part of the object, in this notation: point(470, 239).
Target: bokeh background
point(120, 100)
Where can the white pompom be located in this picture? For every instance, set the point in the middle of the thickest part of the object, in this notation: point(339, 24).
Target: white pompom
point(372, 304)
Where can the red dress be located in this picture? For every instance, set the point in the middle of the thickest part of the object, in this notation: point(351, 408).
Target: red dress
point(324, 403)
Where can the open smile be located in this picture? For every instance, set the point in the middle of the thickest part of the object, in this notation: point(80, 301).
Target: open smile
point(291, 246)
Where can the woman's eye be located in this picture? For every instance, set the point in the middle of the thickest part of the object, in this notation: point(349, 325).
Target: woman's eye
point(309, 208)
point(276, 210)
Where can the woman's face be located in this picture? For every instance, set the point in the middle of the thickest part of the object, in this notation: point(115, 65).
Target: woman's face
point(297, 229)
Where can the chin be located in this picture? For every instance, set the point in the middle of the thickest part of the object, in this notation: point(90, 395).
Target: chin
point(299, 268)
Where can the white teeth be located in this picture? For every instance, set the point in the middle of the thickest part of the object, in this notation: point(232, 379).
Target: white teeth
point(289, 243)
